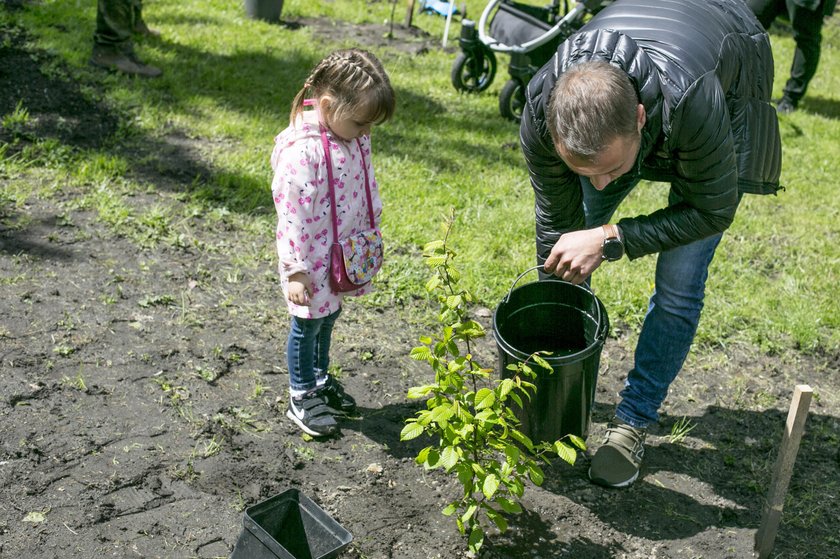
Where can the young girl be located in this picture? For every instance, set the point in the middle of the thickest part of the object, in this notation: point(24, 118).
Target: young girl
point(348, 92)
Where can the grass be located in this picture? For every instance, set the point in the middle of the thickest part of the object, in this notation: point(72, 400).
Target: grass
point(227, 86)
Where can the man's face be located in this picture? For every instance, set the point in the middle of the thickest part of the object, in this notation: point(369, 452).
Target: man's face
point(614, 161)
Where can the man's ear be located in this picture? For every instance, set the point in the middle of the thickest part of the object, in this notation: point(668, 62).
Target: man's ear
point(641, 117)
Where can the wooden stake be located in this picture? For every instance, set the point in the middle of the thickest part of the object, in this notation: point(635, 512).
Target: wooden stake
point(772, 514)
point(410, 13)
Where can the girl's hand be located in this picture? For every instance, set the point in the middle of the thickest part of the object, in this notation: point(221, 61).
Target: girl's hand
point(299, 289)
point(576, 255)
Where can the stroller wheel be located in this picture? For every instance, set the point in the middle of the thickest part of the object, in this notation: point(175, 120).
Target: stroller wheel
point(473, 72)
point(512, 100)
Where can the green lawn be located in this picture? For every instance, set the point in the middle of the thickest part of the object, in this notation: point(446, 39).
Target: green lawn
point(228, 83)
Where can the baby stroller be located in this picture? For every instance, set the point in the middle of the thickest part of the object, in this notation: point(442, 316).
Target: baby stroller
point(530, 34)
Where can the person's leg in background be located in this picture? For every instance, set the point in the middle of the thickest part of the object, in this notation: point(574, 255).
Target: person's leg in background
point(140, 27)
point(807, 34)
point(113, 48)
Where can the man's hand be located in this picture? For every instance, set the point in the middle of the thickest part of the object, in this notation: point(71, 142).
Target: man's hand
point(299, 289)
point(576, 255)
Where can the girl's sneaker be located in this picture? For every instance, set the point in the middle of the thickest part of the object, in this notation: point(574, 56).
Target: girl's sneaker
point(336, 397)
point(312, 414)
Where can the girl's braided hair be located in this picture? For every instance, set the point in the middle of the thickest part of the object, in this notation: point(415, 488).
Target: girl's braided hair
point(357, 82)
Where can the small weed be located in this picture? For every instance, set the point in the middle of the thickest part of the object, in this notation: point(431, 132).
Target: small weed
point(64, 350)
point(239, 420)
point(77, 383)
point(259, 390)
point(206, 374)
point(157, 301)
point(680, 430)
point(239, 504)
point(211, 447)
point(16, 121)
point(66, 323)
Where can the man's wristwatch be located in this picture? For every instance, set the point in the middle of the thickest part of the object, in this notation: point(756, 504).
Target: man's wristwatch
point(612, 248)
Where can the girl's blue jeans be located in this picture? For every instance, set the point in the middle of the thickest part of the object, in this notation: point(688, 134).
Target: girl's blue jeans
point(672, 316)
point(308, 349)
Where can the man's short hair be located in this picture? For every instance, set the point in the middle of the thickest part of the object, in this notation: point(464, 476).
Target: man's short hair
point(591, 104)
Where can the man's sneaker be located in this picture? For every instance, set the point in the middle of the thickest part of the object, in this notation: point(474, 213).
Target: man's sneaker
point(785, 106)
point(114, 60)
point(311, 413)
point(336, 397)
point(617, 462)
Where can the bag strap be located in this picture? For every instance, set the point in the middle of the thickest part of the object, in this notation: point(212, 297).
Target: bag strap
point(325, 142)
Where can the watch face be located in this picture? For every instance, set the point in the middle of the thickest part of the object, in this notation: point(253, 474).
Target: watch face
point(613, 249)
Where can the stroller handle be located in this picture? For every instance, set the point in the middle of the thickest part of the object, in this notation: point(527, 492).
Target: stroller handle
point(572, 15)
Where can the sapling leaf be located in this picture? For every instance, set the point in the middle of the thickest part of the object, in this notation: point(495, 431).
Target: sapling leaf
point(423, 454)
point(508, 505)
point(535, 474)
point(485, 398)
point(433, 246)
point(577, 441)
point(448, 458)
point(435, 260)
point(542, 363)
point(432, 459)
point(449, 510)
point(420, 391)
point(421, 353)
point(433, 284)
point(411, 431)
point(497, 519)
point(476, 538)
point(566, 452)
point(491, 484)
point(468, 514)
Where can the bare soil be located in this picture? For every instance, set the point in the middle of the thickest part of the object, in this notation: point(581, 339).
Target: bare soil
point(143, 391)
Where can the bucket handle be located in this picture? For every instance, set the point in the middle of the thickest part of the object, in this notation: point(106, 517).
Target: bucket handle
point(555, 278)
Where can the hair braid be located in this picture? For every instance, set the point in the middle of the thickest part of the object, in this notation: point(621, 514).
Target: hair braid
point(355, 79)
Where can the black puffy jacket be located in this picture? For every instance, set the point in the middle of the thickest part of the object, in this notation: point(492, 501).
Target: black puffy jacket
point(704, 73)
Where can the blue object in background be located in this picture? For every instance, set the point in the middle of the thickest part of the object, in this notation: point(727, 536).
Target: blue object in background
point(440, 7)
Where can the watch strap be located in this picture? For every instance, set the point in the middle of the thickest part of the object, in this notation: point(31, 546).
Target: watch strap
point(611, 231)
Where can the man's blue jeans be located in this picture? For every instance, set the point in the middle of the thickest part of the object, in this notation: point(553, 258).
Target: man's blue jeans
point(308, 350)
point(672, 316)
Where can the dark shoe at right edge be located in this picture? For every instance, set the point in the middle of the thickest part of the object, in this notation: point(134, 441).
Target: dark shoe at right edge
point(116, 61)
point(785, 106)
point(617, 463)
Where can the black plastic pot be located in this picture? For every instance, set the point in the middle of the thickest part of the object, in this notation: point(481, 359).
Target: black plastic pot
point(267, 10)
point(290, 526)
point(569, 321)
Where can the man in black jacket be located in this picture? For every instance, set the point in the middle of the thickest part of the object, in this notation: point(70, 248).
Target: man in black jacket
point(665, 90)
point(806, 20)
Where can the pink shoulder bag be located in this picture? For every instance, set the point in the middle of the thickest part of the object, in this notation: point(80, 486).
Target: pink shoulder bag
point(354, 260)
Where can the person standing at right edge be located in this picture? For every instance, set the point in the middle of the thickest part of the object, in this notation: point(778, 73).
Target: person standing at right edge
point(806, 19)
point(674, 91)
point(113, 48)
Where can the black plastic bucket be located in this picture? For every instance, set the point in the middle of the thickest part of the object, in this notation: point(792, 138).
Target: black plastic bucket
point(569, 321)
point(267, 10)
point(290, 526)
